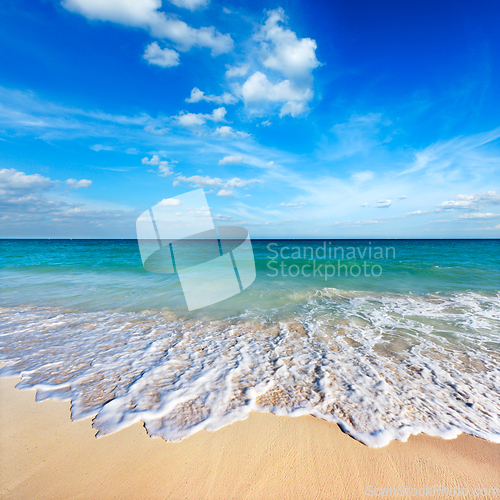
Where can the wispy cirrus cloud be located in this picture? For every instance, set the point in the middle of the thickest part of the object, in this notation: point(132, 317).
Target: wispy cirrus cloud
point(477, 151)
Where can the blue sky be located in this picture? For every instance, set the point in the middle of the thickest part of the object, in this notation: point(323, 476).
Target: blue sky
point(317, 120)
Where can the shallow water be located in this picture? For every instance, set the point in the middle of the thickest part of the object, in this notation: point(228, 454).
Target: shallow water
point(416, 349)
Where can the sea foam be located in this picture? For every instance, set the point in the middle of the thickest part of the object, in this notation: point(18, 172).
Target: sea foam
point(382, 366)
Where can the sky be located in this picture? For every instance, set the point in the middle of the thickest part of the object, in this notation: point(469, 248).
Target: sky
point(336, 119)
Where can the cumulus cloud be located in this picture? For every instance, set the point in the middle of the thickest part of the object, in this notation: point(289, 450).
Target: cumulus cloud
point(235, 160)
point(164, 168)
point(145, 14)
point(258, 92)
point(283, 51)
point(382, 204)
point(14, 180)
point(75, 184)
point(170, 202)
point(227, 131)
point(165, 58)
point(197, 95)
point(197, 119)
point(225, 193)
point(279, 53)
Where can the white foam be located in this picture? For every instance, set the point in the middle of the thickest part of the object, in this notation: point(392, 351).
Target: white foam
point(382, 366)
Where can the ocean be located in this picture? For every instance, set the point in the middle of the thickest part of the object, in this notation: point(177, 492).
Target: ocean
point(386, 338)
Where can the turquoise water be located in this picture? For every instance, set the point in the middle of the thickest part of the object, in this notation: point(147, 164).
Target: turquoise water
point(405, 340)
point(108, 274)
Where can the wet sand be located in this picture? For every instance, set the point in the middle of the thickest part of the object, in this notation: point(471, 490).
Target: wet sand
point(43, 455)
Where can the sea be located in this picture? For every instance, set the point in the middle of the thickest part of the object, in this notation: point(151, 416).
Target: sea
point(386, 338)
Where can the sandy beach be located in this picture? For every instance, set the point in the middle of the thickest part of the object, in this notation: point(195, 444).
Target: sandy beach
point(46, 456)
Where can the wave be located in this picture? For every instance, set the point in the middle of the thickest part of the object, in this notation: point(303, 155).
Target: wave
point(382, 366)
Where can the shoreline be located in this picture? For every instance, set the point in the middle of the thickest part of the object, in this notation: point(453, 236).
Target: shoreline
point(46, 455)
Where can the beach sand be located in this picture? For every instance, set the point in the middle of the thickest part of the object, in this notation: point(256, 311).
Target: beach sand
point(45, 455)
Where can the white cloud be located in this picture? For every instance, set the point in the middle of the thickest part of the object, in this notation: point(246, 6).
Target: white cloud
point(473, 201)
point(24, 111)
point(165, 58)
point(218, 115)
point(197, 119)
point(197, 95)
point(225, 187)
point(26, 211)
point(83, 183)
point(170, 202)
point(458, 153)
point(226, 131)
point(14, 180)
point(258, 88)
point(461, 201)
point(164, 168)
point(225, 193)
point(294, 109)
point(382, 204)
point(277, 53)
point(235, 160)
point(234, 71)
point(145, 14)
point(191, 119)
point(417, 212)
point(200, 181)
point(283, 51)
point(257, 92)
point(191, 4)
point(239, 183)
